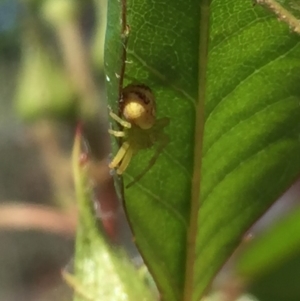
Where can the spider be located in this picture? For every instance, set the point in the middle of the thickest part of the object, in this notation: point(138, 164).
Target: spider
point(141, 129)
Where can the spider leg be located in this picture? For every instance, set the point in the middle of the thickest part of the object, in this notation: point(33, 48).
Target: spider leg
point(162, 145)
point(116, 133)
point(114, 116)
point(119, 156)
point(125, 161)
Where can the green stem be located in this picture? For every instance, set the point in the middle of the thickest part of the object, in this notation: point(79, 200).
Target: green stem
point(282, 14)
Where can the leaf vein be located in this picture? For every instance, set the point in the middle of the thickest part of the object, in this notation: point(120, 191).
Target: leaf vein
point(176, 161)
point(253, 73)
point(163, 78)
point(237, 32)
point(170, 208)
point(257, 152)
point(242, 121)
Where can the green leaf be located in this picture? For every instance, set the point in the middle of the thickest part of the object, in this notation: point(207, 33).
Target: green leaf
point(279, 285)
point(272, 247)
point(187, 226)
point(102, 272)
point(271, 263)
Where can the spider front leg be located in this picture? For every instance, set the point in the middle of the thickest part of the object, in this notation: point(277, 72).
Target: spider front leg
point(116, 133)
point(122, 158)
point(164, 140)
point(118, 119)
point(125, 162)
point(125, 152)
point(119, 156)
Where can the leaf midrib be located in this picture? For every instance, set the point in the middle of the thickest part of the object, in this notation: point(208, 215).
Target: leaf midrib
point(189, 289)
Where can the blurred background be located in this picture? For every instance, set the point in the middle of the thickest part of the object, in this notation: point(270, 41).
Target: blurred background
point(51, 77)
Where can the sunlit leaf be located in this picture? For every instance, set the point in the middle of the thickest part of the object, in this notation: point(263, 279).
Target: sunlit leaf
point(250, 147)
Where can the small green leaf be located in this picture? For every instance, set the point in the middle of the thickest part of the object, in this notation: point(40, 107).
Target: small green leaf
point(281, 284)
point(272, 248)
point(101, 272)
point(271, 263)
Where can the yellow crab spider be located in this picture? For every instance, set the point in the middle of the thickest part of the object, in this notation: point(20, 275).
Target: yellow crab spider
point(141, 129)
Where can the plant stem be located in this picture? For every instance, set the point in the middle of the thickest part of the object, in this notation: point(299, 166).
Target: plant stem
point(124, 37)
point(282, 14)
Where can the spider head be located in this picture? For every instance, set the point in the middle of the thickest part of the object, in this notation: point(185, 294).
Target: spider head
point(138, 105)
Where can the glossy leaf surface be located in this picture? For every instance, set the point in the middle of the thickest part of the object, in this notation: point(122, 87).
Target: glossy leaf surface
point(250, 147)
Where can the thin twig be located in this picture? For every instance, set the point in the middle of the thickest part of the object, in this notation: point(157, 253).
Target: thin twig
point(124, 37)
point(37, 217)
point(282, 14)
point(77, 62)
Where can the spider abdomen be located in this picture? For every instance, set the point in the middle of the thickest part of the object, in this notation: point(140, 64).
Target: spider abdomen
point(138, 106)
point(140, 139)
